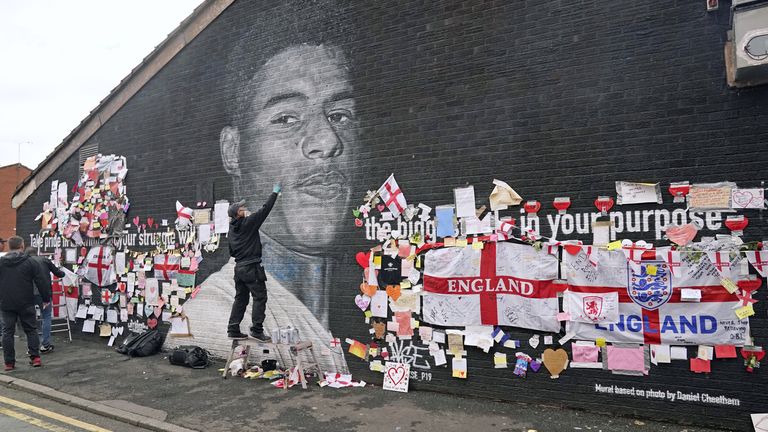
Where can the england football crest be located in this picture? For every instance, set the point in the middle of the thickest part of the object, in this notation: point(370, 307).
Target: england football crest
point(650, 289)
point(592, 306)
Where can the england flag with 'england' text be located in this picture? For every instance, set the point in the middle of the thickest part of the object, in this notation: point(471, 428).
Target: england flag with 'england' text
point(650, 307)
point(501, 284)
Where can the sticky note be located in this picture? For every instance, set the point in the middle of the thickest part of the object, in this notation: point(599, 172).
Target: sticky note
point(563, 316)
point(745, 311)
point(449, 241)
point(499, 360)
point(600, 342)
point(725, 351)
point(477, 245)
point(614, 245)
point(405, 284)
point(368, 314)
point(729, 285)
point(651, 269)
point(700, 365)
point(461, 242)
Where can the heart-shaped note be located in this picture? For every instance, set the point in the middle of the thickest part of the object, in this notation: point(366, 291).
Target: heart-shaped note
point(742, 198)
point(393, 291)
point(535, 365)
point(555, 361)
point(396, 374)
point(682, 234)
point(150, 221)
point(152, 323)
point(362, 259)
point(534, 341)
point(148, 310)
point(368, 290)
point(572, 249)
point(356, 213)
point(410, 212)
point(381, 207)
point(136, 221)
point(362, 301)
point(358, 223)
point(158, 311)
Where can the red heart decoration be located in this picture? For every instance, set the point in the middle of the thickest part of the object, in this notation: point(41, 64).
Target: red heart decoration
point(121, 286)
point(144, 226)
point(532, 206)
point(572, 249)
point(136, 221)
point(737, 224)
point(150, 221)
point(396, 374)
point(604, 203)
point(562, 204)
point(682, 234)
point(362, 259)
point(681, 190)
point(750, 285)
point(152, 323)
point(358, 223)
point(381, 207)
point(746, 353)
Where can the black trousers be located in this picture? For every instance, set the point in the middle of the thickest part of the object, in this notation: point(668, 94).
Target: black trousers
point(28, 319)
point(249, 281)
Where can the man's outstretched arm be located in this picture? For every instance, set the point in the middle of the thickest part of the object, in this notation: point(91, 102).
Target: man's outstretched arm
point(259, 216)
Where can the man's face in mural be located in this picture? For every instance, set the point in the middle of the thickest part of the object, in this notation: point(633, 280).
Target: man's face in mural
point(299, 129)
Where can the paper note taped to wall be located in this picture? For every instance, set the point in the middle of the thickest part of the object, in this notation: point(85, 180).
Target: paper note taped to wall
point(713, 196)
point(637, 193)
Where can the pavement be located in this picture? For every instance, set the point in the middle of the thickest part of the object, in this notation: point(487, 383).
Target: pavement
point(152, 394)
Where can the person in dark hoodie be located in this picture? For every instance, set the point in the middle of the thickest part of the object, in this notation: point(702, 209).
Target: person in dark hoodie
point(250, 278)
point(46, 267)
point(18, 275)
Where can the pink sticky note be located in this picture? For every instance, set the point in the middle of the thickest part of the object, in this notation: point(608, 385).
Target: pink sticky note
point(626, 358)
point(585, 353)
point(494, 237)
point(700, 365)
point(563, 316)
point(403, 320)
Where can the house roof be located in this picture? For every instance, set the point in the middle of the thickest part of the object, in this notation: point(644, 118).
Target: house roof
point(192, 26)
point(16, 165)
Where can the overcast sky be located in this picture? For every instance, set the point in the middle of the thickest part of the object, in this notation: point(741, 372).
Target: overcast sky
point(61, 58)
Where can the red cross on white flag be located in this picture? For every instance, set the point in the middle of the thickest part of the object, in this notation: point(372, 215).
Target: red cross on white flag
point(759, 260)
point(722, 262)
point(99, 269)
point(166, 266)
point(393, 197)
point(672, 258)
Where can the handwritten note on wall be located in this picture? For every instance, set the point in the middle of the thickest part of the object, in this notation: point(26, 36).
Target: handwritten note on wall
point(637, 193)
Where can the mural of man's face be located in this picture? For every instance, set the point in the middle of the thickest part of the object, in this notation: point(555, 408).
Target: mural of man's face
point(300, 129)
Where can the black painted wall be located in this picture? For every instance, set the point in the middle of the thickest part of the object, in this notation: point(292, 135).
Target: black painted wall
point(556, 98)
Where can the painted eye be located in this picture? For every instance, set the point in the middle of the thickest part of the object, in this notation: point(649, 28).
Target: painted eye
point(339, 117)
point(285, 119)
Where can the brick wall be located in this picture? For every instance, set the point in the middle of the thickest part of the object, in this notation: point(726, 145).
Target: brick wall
point(555, 99)
point(10, 177)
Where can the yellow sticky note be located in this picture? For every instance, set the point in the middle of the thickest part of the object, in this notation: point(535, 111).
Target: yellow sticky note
point(600, 342)
point(614, 245)
point(449, 241)
point(373, 352)
point(478, 245)
point(405, 284)
point(651, 269)
point(415, 323)
point(368, 314)
point(729, 285)
point(745, 311)
point(461, 242)
point(377, 261)
point(410, 257)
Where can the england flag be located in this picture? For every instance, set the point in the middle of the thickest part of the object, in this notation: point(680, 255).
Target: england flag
point(650, 309)
point(502, 284)
point(393, 197)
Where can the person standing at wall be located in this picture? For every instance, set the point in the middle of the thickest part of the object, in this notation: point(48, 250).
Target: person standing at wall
point(46, 268)
point(250, 278)
point(18, 275)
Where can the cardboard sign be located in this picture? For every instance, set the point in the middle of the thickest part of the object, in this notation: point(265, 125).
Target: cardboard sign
point(396, 376)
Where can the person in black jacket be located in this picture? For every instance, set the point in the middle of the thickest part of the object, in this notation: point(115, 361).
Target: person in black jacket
point(250, 278)
point(46, 267)
point(18, 274)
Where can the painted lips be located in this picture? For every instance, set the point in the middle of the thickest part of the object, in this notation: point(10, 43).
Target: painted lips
point(324, 185)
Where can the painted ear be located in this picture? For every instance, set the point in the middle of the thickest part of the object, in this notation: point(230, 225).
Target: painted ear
point(229, 143)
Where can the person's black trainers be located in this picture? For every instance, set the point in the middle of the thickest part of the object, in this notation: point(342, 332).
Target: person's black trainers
point(45, 349)
point(261, 337)
point(237, 335)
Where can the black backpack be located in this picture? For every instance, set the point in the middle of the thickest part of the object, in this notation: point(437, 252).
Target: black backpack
point(191, 356)
point(142, 345)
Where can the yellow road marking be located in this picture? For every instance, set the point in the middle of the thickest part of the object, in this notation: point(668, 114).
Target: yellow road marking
point(33, 421)
point(50, 414)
